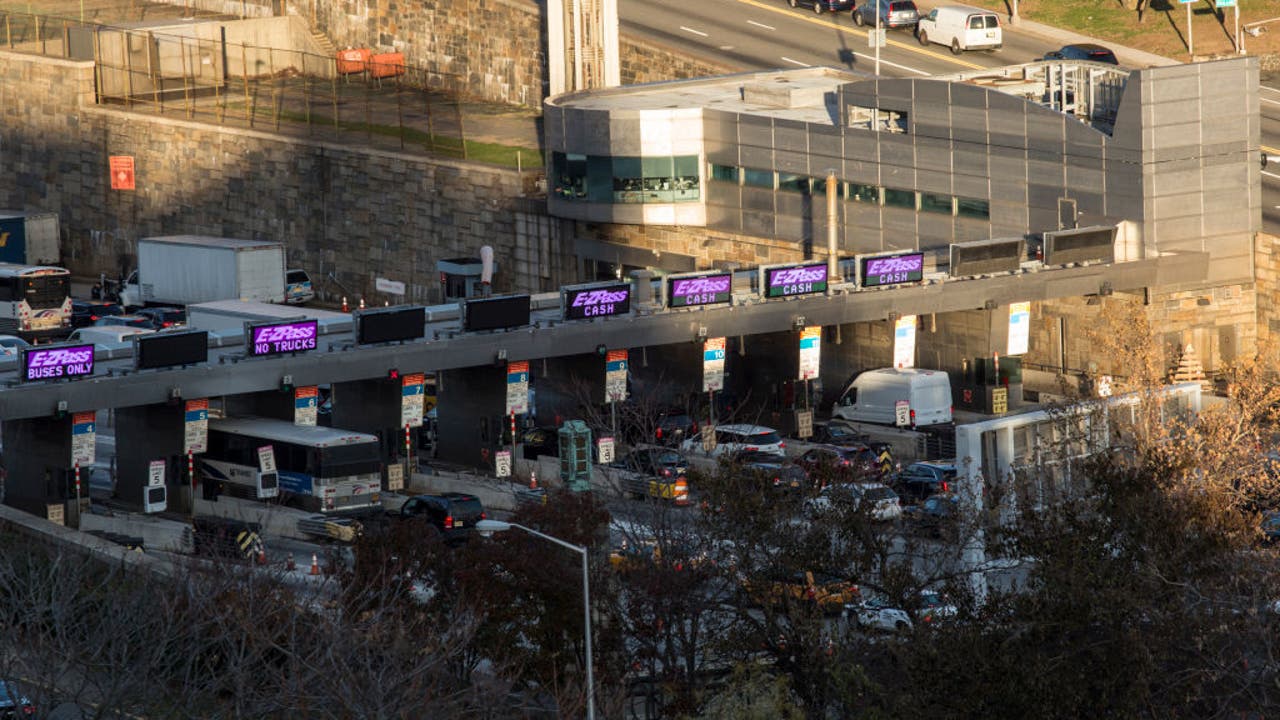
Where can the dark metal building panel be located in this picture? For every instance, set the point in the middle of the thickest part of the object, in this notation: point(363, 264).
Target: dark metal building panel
point(790, 138)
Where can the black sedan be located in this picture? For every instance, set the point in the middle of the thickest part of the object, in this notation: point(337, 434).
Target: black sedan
point(777, 470)
point(1084, 51)
point(88, 312)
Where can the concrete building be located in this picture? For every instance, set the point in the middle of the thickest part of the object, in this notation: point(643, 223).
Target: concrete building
point(1167, 155)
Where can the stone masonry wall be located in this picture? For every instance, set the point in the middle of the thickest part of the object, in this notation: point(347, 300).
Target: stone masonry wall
point(1267, 277)
point(346, 214)
point(492, 50)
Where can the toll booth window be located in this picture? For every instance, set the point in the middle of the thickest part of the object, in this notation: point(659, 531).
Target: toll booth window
point(935, 203)
point(455, 286)
point(863, 193)
point(968, 207)
point(570, 174)
point(687, 186)
point(627, 182)
point(757, 178)
point(900, 198)
point(724, 173)
point(795, 183)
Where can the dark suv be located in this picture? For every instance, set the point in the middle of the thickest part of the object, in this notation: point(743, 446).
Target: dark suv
point(922, 480)
point(821, 6)
point(454, 514)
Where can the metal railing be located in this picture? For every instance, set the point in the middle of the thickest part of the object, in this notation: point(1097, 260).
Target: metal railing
point(194, 72)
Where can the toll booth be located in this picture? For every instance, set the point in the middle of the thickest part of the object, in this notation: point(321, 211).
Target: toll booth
point(575, 455)
point(461, 278)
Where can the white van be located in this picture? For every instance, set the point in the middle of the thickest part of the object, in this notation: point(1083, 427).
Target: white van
point(107, 334)
point(873, 397)
point(961, 28)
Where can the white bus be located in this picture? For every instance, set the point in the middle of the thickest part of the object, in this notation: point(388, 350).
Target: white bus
point(35, 301)
point(319, 469)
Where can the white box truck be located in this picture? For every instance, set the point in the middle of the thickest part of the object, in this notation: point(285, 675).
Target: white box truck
point(188, 269)
point(29, 238)
point(873, 397)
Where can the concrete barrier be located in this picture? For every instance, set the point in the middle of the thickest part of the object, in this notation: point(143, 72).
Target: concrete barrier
point(274, 519)
point(156, 533)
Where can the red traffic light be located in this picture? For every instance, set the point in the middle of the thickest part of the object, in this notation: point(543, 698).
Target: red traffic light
point(393, 374)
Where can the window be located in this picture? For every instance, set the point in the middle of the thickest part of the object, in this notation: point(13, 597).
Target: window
point(570, 174)
point(900, 198)
point(725, 173)
point(864, 193)
point(687, 187)
point(967, 207)
point(757, 178)
point(794, 183)
point(935, 203)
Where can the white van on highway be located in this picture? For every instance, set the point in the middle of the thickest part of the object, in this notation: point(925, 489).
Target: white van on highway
point(873, 397)
point(961, 28)
point(107, 334)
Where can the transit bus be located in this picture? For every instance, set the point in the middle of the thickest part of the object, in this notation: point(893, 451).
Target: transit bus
point(35, 301)
point(319, 469)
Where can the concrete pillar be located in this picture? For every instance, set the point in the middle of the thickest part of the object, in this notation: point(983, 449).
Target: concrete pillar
point(371, 406)
point(146, 433)
point(38, 461)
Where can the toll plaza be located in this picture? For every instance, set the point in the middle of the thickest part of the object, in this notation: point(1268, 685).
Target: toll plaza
point(271, 368)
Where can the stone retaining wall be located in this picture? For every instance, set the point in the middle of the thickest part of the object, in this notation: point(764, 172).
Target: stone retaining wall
point(346, 214)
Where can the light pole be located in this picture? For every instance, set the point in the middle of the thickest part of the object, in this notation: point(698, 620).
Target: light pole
point(488, 527)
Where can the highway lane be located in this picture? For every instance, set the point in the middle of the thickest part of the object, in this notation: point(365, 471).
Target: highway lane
point(764, 34)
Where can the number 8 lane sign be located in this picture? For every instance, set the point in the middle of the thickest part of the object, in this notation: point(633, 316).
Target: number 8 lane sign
point(518, 387)
point(713, 364)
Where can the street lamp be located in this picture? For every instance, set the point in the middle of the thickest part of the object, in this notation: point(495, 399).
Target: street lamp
point(487, 528)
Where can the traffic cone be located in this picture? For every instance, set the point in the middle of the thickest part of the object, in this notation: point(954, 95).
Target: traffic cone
point(361, 303)
point(533, 479)
point(345, 308)
point(262, 556)
point(315, 565)
point(289, 564)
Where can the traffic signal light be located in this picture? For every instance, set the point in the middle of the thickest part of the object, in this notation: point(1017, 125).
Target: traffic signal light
point(393, 374)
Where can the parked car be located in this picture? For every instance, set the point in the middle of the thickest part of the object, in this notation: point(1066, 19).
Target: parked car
point(13, 703)
point(135, 321)
point(893, 13)
point(733, 439)
point(776, 470)
point(934, 514)
point(163, 317)
point(882, 502)
point(840, 464)
point(1084, 51)
point(12, 346)
point(297, 287)
point(827, 592)
point(88, 312)
point(454, 514)
point(921, 480)
point(821, 6)
point(877, 613)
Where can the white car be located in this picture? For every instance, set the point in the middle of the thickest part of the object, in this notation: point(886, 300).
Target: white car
point(877, 614)
point(733, 439)
point(884, 502)
point(12, 346)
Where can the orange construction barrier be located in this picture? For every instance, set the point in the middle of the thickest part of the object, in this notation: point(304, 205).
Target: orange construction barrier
point(315, 564)
point(353, 61)
point(386, 65)
point(533, 479)
point(680, 494)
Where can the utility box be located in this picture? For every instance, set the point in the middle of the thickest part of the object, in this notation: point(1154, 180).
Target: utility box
point(575, 455)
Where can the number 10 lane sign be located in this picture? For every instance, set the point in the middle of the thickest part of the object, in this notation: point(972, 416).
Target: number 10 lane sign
point(518, 387)
point(713, 364)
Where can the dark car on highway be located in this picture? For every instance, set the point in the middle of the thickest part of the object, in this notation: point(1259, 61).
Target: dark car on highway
point(1084, 51)
point(655, 462)
point(135, 321)
point(832, 463)
point(87, 312)
point(935, 515)
point(453, 514)
point(821, 6)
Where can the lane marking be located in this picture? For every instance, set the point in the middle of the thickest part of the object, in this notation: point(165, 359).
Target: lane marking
point(1268, 100)
point(1268, 87)
point(795, 62)
point(1271, 175)
point(762, 25)
point(872, 59)
point(1269, 150)
point(915, 48)
point(691, 30)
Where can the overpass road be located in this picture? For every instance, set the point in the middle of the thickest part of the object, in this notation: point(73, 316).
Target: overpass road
point(765, 34)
